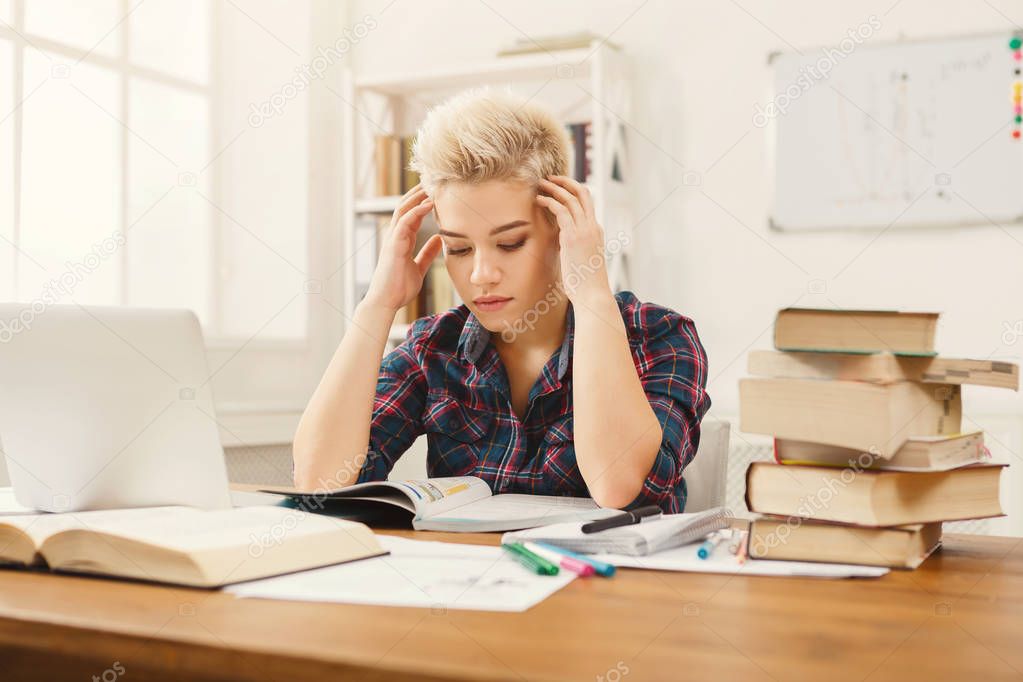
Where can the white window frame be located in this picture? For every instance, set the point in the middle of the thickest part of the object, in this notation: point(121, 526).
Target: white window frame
point(247, 417)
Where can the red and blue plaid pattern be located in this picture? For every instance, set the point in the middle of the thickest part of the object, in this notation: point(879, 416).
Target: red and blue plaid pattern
point(446, 380)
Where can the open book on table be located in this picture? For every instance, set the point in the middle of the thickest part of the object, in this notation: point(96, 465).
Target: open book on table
point(183, 545)
point(459, 504)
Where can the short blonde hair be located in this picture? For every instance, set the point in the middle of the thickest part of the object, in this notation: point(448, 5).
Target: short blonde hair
point(481, 134)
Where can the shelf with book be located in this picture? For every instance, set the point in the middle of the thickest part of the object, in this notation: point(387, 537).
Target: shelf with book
point(582, 85)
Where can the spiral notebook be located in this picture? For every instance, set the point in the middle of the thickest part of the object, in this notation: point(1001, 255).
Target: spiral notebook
point(639, 539)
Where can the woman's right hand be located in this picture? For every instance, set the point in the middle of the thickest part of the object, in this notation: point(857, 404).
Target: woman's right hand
point(399, 276)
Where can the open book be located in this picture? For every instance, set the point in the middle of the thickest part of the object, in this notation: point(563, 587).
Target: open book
point(183, 545)
point(459, 504)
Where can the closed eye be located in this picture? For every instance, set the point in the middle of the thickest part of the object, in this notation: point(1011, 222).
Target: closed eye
point(504, 247)
point(512, 247)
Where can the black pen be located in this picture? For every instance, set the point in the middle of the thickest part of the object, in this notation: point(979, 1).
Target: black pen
point(625, 519)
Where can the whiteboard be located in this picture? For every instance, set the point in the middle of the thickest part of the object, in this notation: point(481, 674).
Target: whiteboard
point(911, 134)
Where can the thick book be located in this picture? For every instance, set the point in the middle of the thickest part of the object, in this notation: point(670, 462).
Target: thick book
point(876, 418)
point(184, 545)
point(873, 498)
point(919, 453)
point(457, 504)
point(794, 539)
point(858, 331)
point(883, 368)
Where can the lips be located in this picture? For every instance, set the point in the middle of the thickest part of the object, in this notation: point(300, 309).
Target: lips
point(491, 304)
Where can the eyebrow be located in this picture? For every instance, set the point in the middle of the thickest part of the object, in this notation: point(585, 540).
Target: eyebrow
point(496, 230)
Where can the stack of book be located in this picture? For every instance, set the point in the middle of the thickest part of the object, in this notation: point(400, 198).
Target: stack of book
point(870, 456)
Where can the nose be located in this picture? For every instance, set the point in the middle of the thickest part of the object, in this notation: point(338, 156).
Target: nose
point(484, 271)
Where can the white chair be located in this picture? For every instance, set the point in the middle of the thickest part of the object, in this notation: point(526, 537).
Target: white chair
point(707, 474)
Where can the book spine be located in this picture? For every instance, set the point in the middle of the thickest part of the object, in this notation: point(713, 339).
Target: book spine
point(579, 144)
point(745, 495)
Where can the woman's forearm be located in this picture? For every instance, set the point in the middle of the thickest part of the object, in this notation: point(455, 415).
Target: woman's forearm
point(333, 435)
point(617, 435)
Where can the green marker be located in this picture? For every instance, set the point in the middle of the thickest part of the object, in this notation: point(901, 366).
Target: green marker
point(535, 563)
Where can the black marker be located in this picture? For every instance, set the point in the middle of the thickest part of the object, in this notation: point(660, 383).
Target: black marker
point(625, 519)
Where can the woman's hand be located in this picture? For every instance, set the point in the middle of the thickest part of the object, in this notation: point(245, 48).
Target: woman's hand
point(583, 271)
point(398, 276)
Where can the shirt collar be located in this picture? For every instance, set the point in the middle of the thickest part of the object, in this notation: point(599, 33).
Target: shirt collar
point(475, 338)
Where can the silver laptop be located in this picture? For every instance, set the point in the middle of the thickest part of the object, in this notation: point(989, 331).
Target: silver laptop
point(108, 407)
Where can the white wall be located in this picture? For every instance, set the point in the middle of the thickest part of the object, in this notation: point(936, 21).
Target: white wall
point(280, 226)
point(699, 69)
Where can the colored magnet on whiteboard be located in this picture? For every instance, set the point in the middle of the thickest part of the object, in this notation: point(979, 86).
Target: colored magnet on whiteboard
point(1015, 42)
point(1015, 134)
point(1017, 55)
point(1019, 118)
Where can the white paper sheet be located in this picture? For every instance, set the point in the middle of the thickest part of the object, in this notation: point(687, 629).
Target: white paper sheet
point(684, 558)
point(438, 575)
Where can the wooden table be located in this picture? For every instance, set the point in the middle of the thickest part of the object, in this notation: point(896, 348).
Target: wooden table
point(958, 617)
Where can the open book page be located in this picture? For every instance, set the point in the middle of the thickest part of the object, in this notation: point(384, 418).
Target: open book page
point(422, 497)
point(433, 496)
point(513, 506)
point(191, 530)
point(38, 527)
point(510, 511)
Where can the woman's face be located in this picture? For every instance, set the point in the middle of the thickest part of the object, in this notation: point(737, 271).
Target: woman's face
point(500, 248)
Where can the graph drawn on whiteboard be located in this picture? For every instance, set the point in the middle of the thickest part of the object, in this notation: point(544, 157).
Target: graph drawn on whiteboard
point(911, 134)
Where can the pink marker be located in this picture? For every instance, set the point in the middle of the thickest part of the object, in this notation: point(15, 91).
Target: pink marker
point(581, 567)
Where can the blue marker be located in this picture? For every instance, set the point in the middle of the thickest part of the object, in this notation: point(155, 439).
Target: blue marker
point(709, 545)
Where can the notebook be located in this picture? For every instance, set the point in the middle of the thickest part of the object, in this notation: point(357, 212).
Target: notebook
point(638, 539)
point(461, 504)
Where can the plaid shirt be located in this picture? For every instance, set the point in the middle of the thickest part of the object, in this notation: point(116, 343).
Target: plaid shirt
point(447, 380)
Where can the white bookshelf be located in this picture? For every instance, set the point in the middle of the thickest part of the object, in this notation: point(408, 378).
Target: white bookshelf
point(584, 84)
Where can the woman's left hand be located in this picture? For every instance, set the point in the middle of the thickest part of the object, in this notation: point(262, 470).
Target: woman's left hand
point(583, 271)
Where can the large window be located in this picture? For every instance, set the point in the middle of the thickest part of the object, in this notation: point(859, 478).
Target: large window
point(130, 175)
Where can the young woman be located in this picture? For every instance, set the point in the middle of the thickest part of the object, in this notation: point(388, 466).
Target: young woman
point(544, 381)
